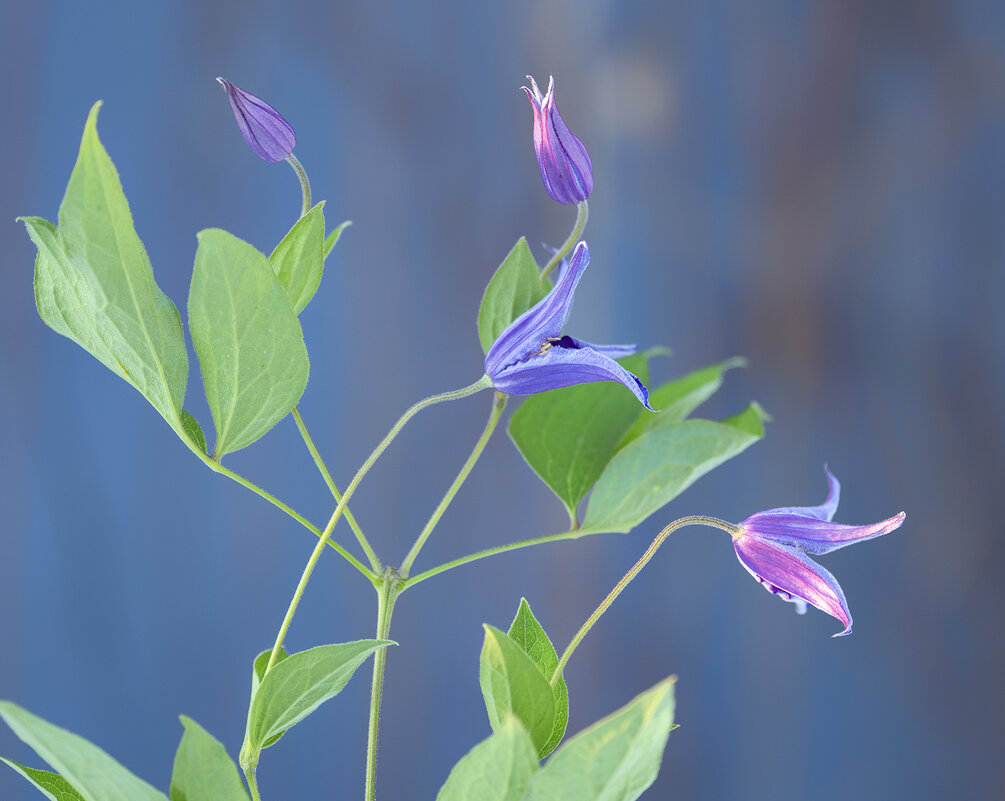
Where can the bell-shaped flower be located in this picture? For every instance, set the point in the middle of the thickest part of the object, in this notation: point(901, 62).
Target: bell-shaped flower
point(772, 546)
point(262, 127)
point(532, 355)
point(566, 168)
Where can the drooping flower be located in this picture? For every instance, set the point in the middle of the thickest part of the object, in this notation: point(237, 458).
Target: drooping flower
point(772, 546)
point(262, 127)
point(532, 355)
point(566, 168)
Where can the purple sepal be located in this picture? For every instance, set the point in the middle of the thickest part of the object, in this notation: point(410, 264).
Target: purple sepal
point(532, 355)
point(772, 546)
point(262, 127)
point(566, 169)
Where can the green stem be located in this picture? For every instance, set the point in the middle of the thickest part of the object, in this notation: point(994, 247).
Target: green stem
point(627, 578)
point(387, 593)
point(249, 774)
point(216, 467)
point(323, 468)
point(498, 404)
point(483, 383)
point(513, 546)
point(305, 185)
point(582, 214)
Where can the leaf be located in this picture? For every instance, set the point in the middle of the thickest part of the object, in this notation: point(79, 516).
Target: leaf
point(193, 429)
point(676, 399)
point(615, 759)
point(526, 632)
point(299, 684)
point(202, 769)
point(513, 684)
point(248, 339)
point(569, 435)
point(515, 287)
point(298, 260)
point(94, 283)
point(497, 769)
point(653, 469)
point(51, 785)
point(261, 662)
point(84, 766)
point(333, 238)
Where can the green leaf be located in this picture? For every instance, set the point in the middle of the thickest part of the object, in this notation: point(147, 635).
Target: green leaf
point(299, 684)
point(51, 785)
point(298, 260)
point(569, 435)
point(497, 769)
point(261, 662)
point(515, 287)
point(250, 345)
point(84, 766)
point(193, 429)
point(526, 632)
point(94, 283)
point(334, 237)
point(513, 684)
point(615, 759)
point(202, 769)
point(676, 399)
point(653, 469)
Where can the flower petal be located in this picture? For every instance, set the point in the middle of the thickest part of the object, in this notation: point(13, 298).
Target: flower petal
point(788, 573)
point(563, 367)
point(613, 351)
point(543, 321)
point(825, 511)
point(811, 534)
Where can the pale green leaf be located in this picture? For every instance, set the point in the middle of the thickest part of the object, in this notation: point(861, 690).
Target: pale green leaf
point(497, 769)
point(657, 466)
point(299, 684)
point(94, 283)
point(569, 435)
point(615, 759)
point(526, 632)
point(333, 238)
point(513, 684)
point(248, 339)
point(84, 766)
point(676, 399)
point(51, 785)
point(515, 287)
point(298, 260)
point(202, 769)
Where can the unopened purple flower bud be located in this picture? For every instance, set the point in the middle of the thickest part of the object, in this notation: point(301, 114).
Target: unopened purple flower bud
point(262, 127)
point(566, 168)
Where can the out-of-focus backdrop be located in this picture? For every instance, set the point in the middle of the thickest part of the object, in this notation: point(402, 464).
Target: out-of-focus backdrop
point(819, 187)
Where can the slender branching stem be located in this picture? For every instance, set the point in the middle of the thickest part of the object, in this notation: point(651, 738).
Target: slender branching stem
point(498, 404)
point(387, 593)
point(701, 520)
point(582, 214)
point(323, 469)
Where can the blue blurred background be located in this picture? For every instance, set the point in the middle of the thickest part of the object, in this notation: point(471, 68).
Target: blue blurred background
point(817, 186)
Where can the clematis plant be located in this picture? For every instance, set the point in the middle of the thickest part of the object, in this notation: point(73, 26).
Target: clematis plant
point(622, 455)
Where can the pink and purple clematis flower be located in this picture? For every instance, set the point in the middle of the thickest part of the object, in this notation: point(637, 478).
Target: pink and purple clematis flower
point(532, 355)
point(566, 168)
point(772, 546)
point(262, 127)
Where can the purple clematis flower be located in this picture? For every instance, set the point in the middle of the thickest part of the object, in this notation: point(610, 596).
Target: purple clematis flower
point(566, 168)
point(772, 546)
point(262, 127)
point(532, 355)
